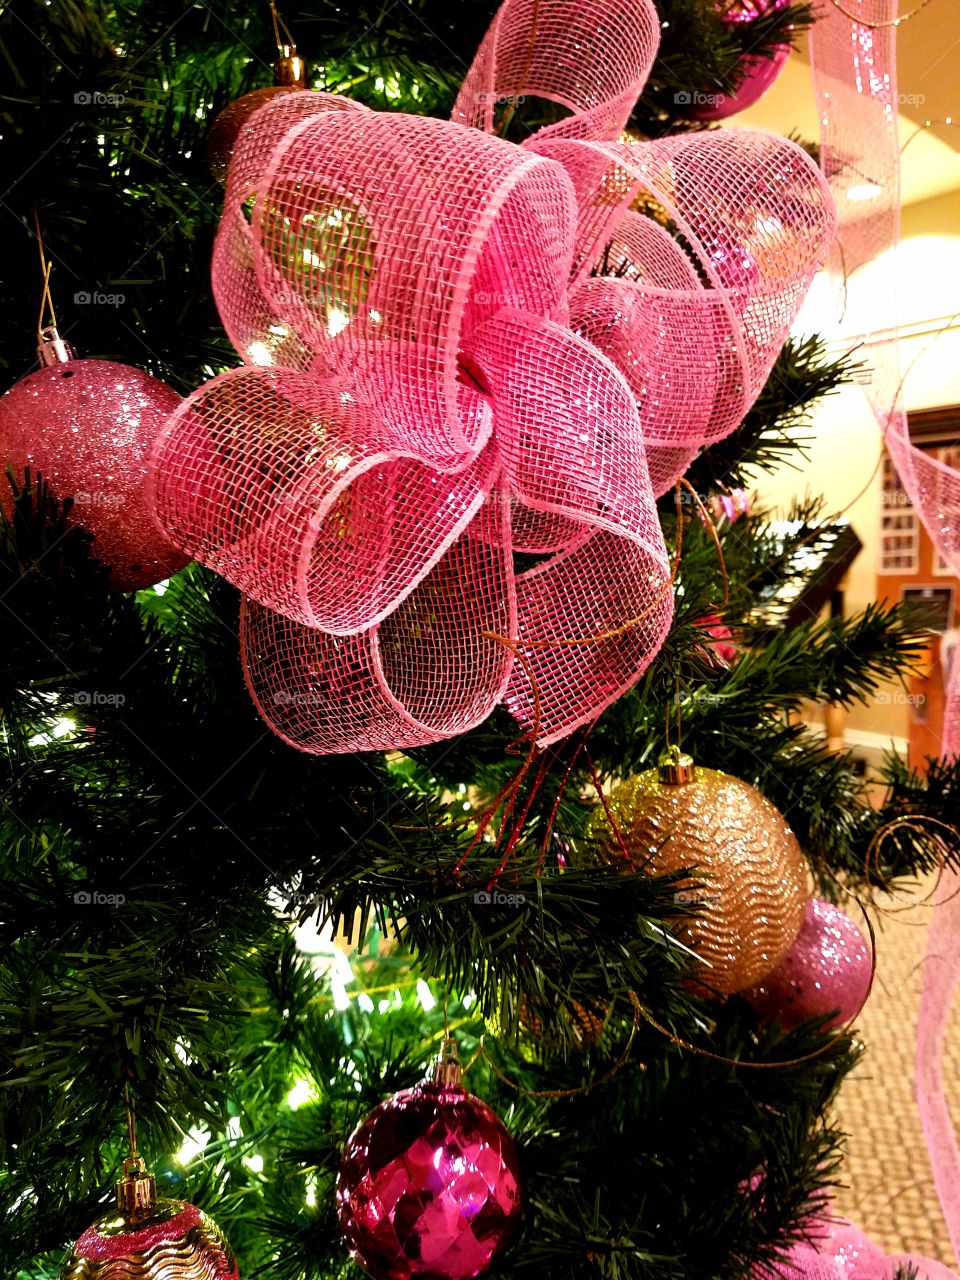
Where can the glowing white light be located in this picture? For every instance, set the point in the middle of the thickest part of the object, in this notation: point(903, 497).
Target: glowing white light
point(280, 330)
point(181, 1049)
point(301, 1093)
point(254, 1163)
point(341, 976)
point(341, 1000)
point(865, 191)
point(195, 1141)
point(365, 1003)
point(234, 1129)
point(62, 728)
point(337, 321)
point(259, 353)
point(425, 996)
point(341, 966)
point(160, 588)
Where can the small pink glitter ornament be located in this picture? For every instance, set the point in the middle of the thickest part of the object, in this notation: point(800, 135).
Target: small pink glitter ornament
point(88, 426)
point(149, 1239)
point(756, 73)
point(827, 968)
point(429, 1185)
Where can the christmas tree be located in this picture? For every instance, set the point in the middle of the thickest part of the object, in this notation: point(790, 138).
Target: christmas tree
point(248, 947)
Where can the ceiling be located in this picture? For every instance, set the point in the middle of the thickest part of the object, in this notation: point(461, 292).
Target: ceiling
point(929, 87)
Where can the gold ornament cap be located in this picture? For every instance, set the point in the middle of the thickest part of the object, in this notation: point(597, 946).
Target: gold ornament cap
point(137, 1189)
point(290, 69)
point(53, 349)
point(675, 768)
point(447, 1072)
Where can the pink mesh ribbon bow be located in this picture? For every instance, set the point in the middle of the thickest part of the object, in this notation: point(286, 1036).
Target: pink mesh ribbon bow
point(469, 368)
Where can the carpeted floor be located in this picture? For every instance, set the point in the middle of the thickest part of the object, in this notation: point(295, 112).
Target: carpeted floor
point(889, 1191)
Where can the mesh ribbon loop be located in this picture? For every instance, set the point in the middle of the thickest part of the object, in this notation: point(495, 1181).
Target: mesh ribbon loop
point(456, 347)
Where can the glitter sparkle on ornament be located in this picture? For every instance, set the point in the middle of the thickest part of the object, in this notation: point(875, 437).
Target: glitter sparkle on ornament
point(828, 968)
point(748, 883)
point(146, 1238)
point(88, 426)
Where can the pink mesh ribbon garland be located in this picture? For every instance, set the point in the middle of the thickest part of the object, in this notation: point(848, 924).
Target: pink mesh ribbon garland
point(457, 349)
point(855, 74)
point(838, 1250)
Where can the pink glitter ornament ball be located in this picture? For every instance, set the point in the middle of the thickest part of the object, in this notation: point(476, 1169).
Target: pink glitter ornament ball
point(88, 426)
point(144, 1238)
point(828, 967)
point(429, 1185)
point(756, 73)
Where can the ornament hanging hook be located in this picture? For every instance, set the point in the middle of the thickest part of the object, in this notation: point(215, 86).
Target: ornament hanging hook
point(281, 32)
point(289, 69)
point(46, 298)
point(131, 1106)
point(51, 348)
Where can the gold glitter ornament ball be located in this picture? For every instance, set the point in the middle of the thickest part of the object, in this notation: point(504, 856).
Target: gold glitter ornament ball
point(147, 1238)
point(290, 73)
point(750, 883)
point(226, 128)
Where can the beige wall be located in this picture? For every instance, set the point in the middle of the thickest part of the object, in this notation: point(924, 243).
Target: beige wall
point(846, 447)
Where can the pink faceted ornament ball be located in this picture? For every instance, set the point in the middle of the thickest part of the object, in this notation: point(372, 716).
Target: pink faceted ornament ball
point(88, 426)
point(756, 73)
point(828, 968)
point(429, 1186)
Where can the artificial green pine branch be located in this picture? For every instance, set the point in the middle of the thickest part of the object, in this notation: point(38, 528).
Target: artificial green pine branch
point(770, 435)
